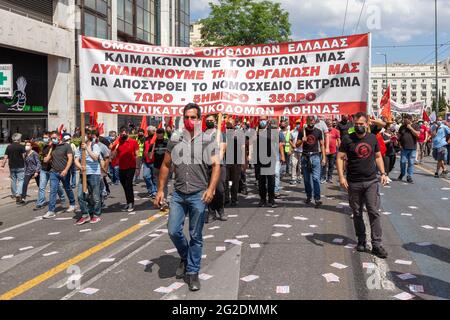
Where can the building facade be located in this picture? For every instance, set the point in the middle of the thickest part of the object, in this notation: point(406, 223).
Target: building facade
point(195, 34)
point(410, 83)
point(40, 40)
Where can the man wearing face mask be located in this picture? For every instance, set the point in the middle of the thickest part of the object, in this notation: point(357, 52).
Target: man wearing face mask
point(44, 176)
point(149, 179)
point(407, 136)
point(126, 150)
point(362, 151)
point(197, 172)
point(344, 125)
point(439, 133)
point(90, 204)
point(313, 159)
point(60, 157)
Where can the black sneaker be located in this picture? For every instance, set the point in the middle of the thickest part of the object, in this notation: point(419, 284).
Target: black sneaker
point(262, 203)
point(361, 247)
point(181, 270)
point(193, 282)
point(409, 180)
point(308, 200)
point(380, 252)
point(436, 175)
point(318, 204)
point(400, 177)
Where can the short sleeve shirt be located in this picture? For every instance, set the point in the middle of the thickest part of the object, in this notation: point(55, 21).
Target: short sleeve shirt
point(92, 166)
point(15, 153)
point(126, 154)
point(406, 138)
point(313, 138)
point(60, 157)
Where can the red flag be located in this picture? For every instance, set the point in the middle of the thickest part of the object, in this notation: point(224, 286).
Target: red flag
point(385, 104)
point(425, 116)
point(101, 128)
point(93, 116)
point(144, 125)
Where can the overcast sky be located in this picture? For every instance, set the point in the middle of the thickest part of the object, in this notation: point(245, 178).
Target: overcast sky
point(392, 23)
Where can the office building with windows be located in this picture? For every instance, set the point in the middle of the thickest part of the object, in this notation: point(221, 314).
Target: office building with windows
point(410, 82)
point(40, 40)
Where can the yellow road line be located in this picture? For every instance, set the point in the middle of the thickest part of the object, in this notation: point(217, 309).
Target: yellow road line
point(63, 266)
point(430, 172)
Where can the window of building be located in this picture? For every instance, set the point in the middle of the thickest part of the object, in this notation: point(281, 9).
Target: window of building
point(136, 20)
point(96, 21)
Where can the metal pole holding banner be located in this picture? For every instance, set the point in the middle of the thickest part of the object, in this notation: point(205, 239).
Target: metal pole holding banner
point(83, 154)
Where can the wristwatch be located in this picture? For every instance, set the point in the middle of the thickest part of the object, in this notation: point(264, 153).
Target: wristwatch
point(384, 174)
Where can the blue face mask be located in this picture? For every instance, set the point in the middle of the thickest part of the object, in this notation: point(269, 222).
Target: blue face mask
point(55, 141)
point(263, 123)
point(45, 140)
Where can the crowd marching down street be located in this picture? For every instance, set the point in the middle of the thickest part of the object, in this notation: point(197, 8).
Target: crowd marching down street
point(209, 157)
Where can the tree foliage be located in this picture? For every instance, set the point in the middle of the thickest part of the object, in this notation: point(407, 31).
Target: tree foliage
point(245, 22)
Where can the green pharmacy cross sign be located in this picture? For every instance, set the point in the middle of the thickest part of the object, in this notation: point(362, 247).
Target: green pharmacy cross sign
point(3, 78)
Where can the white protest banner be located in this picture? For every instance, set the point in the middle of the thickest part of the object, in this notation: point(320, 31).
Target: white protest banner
point(325, 76)
point(410, 108)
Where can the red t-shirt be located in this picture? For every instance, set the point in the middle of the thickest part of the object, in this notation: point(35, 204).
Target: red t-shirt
point(126, 154)
point(423, 129)
point(148, 145)
point(334, 135)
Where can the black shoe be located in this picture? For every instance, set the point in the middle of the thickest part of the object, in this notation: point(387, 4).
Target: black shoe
point(409, 180)
point(193, 282)
point(181, 270)
point(222, 217)
point(308, 200)
point(273, 204)
point(400, 177)
point(318, 204)
point(361, 247)
point(207, 218)
point(436, 175)
point(380, 252)
point(262, 203)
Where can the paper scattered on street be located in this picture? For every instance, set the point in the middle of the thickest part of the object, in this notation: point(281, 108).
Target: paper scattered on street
point(154, 235)
point(162, 230)
point(220, 248)
point(6, 238)
point(386, 213)
point(301, 218)
point(170, 250)
point(277, 234)
point(205, 276)
point(249, 278)
point(163, 290)
point(270, 211)
point(53, 233)
point(405, 262)
point(404, 296)
point(406, 276)
point(203, 256)
point(107, 260)
point(214, 228)
point(282, 289)
point(145, 262)
point(26, 248)
point(444, 198)
point(416, 288)
point(85, 230)
point(338, 265)
point(413, 207)
point(124, 219)
point(242, 236)
point(338, 240)
point(89, 291)
point(443, 228)
point(282, 225)
point(331, 277)
point(406, 214)
point(350, 246)
point(176, 285)
point(304, 234)
point(7, 256)
point(424, 244)
point(427, 227)
point(62, 219)
point(232, 215)
point(255, 245)
point(50, 253)
point(208, 236)
point(313, 226)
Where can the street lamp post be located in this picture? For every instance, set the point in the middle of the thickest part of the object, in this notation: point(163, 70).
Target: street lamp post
point(436, 55)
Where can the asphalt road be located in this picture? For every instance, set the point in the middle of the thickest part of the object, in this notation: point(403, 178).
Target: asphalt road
point(54, 259)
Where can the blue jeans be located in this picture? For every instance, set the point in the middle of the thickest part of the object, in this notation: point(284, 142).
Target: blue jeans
point(407, 156)
point(73, 176)
point(277, 176)
point(193, 206)
point(55, 178)
point(149, 178)
point(90, 203)
point(311, 176)
point(44, 177)
point(114, 172)
point(17, 176)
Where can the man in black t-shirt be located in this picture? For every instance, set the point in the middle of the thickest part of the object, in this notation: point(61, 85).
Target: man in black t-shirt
point(407, 137)
point(363, 156)
point(344, 125)
point(313, 159)
point(15, 154)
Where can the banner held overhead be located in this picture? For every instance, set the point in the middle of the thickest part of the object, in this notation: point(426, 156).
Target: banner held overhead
point(324, 76)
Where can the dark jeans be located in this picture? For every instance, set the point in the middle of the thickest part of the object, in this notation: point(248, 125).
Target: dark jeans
point(233, 176)
point(126, 180)
point(360, 193)
point(217, 203)
point(55, 179)
point(266, 185)
point(191, 205)
point(327, 170)
point(26, 181)
point(90, 202)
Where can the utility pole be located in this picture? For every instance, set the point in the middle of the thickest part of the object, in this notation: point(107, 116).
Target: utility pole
point(436, 55)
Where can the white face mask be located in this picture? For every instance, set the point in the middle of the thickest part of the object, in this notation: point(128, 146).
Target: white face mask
point(27, 148)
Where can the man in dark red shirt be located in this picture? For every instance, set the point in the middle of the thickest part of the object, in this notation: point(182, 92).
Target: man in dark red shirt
point(126, 150)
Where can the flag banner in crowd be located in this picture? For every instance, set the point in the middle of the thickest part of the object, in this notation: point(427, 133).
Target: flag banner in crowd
point(323, 76)
point(410, 108)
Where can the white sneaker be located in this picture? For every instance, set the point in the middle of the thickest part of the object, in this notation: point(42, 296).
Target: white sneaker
point(71, 209)
point(48, 215)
